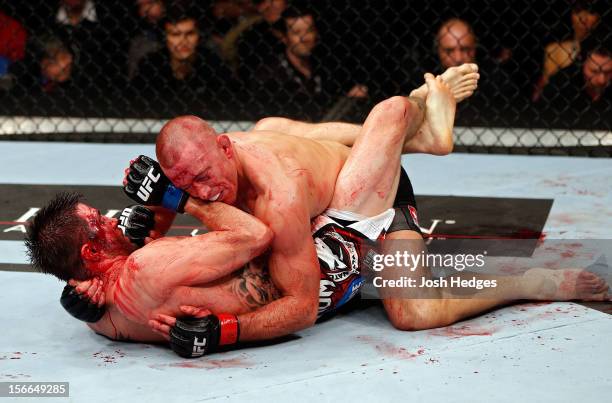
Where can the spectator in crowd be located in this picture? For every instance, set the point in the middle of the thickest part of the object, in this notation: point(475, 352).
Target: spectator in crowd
point(47, 79)
point(585, 16)
point(262, 41)
point(295, 78)
point(228, 48)
point(97, 40)
point(149, 35)
point(183, 74)
point(225, 15)
point(496, 99)
point(13, 38)
point(455, 43)
point(580, 96)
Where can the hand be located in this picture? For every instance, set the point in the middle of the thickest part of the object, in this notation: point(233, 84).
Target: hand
point(137, 223)
point(358, 91)
point(146, 183)
point(195, 337)
point(84, 300)
point(161, 324)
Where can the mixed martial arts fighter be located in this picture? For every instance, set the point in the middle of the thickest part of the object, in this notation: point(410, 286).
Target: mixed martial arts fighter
point(232, 324)
point(138, 284)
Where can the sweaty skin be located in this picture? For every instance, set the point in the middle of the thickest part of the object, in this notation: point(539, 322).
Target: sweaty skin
point(282, 180)
point(216, 286)
point(173, 271)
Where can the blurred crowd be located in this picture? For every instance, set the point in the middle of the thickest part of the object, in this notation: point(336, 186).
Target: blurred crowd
point(542, 64)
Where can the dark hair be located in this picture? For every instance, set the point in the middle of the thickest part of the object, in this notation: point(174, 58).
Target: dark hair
point(48, 46)
point(179, 12)
point(599, 41)
point(592, 6)
point(54, 238)
point(297, 10)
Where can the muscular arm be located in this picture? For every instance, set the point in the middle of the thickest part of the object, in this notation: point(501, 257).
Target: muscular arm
point(163, 221)
point(236, 238)
point(294, 269)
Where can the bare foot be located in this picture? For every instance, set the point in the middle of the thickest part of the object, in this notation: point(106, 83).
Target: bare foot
point(435, 136)
point(568, 284)
point(462, 81)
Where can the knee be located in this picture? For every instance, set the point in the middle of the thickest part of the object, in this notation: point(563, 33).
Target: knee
point(412, 315)
point(395, 106)
point(271, 124)
point(396, 110)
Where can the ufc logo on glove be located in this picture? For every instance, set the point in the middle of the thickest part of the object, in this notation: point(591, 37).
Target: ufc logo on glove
point(124, 218)
point(198, 347)
point(145, 189)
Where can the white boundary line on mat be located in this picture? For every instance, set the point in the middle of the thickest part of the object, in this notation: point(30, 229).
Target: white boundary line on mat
point(464, 136)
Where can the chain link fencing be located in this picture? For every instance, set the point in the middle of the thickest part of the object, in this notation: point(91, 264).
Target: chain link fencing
point(110, 70)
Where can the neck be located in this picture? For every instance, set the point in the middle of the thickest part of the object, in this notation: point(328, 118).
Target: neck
point(108, 269)
point(302, 64)
point(251, 181)
point(593, 93)
point(244, 182)
point(182, 68)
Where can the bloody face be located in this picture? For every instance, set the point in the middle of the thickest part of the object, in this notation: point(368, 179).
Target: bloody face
point(205, 172)
point(104, 232)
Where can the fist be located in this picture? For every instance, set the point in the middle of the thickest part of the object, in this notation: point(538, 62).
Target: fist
point(147, 184)
point(195, 337)
point(84, 300)
point(137, 222)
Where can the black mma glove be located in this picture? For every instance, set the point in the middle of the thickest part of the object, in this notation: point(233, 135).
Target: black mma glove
point(136, 222)
point(147, 184)
point(195, 337)
point(79, 305)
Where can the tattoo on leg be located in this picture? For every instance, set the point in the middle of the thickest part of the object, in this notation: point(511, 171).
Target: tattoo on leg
point(254, 287)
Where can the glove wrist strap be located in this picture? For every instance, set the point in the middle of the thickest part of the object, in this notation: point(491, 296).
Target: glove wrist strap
point(174, 199)
point(230, 329)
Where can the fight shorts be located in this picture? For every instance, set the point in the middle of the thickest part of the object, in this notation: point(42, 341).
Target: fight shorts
point(341, 239)
point(405, 207)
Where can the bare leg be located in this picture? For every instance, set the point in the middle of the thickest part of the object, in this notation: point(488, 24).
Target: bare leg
point(436, 307)
point(461, 80)
point(367, 183)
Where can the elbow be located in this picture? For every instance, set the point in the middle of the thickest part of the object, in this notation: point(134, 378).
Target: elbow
point(311, 314)
point(306, 314)
point(262, 238)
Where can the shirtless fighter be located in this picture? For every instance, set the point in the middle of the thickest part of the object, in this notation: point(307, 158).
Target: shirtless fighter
point(206, 270)
point(521, 288)
point(286, 181)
